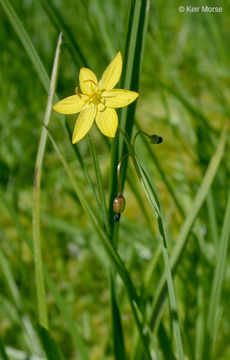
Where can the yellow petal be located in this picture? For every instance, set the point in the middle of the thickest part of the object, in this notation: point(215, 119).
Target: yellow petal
point(88, 81)
point(112, 74)
point(118, 97)
point(107, 121)
point(84, 123)
point(70, 105)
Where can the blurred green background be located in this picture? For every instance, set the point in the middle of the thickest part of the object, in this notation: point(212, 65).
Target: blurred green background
point(184, 97)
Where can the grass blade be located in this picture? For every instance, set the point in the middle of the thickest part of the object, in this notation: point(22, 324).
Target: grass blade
point(200, 325)
point(27, 43)
point(100, 185)
point(139, 16)
point(154, 202)
point(61, 26)
point(39, 277)
point(165, 343)
point(118, 339)
point(212, 218)
point(219, 274)
point(188, 223)
point(52, 350)
point(102, 28)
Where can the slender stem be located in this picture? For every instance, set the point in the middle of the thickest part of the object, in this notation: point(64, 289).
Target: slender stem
point(39, 276)
point(135, 136)
point(102, 204)
point(119, 171)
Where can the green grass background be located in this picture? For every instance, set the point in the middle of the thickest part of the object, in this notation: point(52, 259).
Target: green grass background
point(184, 88)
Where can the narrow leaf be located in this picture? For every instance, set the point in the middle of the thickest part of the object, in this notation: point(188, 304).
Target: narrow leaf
point(52, 350)
point(188, 223)
point(219, 271)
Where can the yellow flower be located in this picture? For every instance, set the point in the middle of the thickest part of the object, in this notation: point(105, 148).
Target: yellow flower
point(97, 101)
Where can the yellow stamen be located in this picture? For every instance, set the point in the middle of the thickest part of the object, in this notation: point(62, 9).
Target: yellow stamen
point(90, 97)
point(90, 81)
point(77, 92)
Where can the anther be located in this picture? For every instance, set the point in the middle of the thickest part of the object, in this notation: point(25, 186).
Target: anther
point(90, 97)
point(90, 81)
point(77, 92)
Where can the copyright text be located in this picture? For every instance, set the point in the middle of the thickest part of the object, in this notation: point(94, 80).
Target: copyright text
point(199, 9)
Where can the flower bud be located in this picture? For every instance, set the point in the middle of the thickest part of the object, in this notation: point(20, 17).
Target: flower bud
point(155, 139)
point(119, 204)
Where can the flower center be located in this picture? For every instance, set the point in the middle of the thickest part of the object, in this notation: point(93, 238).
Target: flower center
point(96, 98)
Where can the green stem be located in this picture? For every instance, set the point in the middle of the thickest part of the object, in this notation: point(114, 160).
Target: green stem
point(39, 276)
point(99, 183)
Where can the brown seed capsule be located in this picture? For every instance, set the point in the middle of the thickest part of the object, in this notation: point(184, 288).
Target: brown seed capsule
point(119, 204)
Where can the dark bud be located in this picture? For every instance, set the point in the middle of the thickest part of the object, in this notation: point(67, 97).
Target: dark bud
point(155, 139)
point(116, 217)
point(119, 204)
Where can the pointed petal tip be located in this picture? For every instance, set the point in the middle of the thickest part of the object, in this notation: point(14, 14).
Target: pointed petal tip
point(107, 122)
point(118, 98)
point(84, 68)
point(135, 95)
point(70, 105)
point(74, 141)
point(111, 135)
point(75, 138)
point(119, 54)
point(56, 108)
point(88, 81)
point(112, 73)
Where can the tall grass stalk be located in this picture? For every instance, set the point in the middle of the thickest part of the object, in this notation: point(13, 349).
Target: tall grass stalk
point(40, 284)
